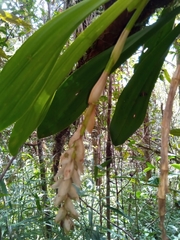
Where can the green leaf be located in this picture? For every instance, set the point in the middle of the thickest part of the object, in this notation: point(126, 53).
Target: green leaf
point(3, 54)
point(138, 194)
point(54, 78)
point(166, 74)
point(119, 212)
point(3, 187)
point(9, 17)
point(71, 98)
point(24, 76)
point(175, 132)
point(176, 165)
point(149, 167)
point(132, 104)
point(26, 125)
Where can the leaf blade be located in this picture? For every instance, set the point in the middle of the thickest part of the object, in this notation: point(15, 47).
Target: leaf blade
point(132, 104)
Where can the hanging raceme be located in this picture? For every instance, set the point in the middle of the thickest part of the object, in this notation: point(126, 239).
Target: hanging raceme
point(70, 168)
point(72, 160)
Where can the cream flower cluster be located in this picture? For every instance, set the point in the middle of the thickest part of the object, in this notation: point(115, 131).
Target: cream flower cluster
point(70, 167)
point(72, 161)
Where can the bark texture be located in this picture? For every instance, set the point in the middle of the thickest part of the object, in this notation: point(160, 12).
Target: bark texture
point(109, 37)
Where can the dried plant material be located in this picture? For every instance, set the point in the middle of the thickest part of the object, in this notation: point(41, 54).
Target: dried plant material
point(59, 173)
point(91, 119)
point(79, 149)
point(75, 136)
point(66, 157)
point(60, 215)
point(56, 184)
point(79, 157)
point(68, 224)
point(164, 164)
point(76, 178)
point(73, 193)
point(68, 170)
point(64, 187)
point(98, 89)
point(68, 205)
point(59, 199)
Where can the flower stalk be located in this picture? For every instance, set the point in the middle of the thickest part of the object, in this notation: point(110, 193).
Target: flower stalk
point(72, 160)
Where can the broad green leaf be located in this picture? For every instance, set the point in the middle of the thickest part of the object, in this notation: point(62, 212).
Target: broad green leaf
point(132, 104)
point(176, 165)
point(3, 54)
point(71, 98)
point(63, 66)
point(9, 17)
point(26, 125)
point(24, 76)
point(175, 132)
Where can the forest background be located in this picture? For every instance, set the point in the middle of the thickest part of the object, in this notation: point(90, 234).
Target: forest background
point(118, 194)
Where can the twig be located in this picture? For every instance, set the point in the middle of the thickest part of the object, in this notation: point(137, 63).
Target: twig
point(7, 167)
point(127, 233)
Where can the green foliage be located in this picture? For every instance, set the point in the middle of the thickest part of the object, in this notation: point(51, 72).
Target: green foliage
point(132, 104)
point(55, 105)
point(35, 96)
point(76, 88)
point(175, 132)
point(8, 17)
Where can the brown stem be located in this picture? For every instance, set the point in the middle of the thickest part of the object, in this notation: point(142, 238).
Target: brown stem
point(163, 186)
point(7, 167)
point(108, 157)
point(48, 228)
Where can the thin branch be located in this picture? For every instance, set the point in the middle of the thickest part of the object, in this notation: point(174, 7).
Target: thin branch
point(127, 233)
point(7, 167)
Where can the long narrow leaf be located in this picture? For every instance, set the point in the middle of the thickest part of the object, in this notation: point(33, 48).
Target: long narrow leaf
point(60, 70)
point(25, 75)
point(132, 104)
point(71, 98)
